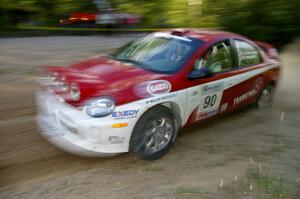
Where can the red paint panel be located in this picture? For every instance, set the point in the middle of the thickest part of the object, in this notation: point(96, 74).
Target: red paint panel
point(103, 76)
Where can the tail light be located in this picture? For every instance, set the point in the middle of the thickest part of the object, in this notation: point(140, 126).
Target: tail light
point(273, 53)
point(270, 50)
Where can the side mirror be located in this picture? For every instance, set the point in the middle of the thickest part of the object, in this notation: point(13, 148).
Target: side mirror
point(201, 73)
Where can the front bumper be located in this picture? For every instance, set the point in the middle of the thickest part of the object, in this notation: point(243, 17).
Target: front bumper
point(74, 131)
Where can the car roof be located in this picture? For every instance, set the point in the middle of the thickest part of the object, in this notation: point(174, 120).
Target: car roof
point(203, 34)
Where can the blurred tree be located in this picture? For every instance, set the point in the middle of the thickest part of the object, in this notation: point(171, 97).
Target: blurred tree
point(13, 12)
point(153, 12)
point(276, 21)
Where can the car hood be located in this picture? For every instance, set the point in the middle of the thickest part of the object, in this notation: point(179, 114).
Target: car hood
point(104, 77)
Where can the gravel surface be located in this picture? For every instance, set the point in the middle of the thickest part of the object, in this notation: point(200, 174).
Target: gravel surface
point(206, 157)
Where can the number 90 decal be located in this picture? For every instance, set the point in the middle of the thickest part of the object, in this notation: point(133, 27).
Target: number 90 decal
point(210, 100)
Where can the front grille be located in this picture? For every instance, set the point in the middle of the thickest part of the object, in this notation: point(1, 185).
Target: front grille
point(69, 127)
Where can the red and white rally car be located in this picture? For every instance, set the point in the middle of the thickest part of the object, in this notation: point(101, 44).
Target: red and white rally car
point(137, 98)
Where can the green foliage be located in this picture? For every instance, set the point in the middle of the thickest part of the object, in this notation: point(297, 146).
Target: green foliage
point(153, 12)
point(266, 183)
point(275, 21)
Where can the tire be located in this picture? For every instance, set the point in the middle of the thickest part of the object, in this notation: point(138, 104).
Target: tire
point(154, 133)
point(265, 98)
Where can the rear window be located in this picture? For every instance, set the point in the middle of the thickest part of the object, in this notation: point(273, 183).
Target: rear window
point(247, 54)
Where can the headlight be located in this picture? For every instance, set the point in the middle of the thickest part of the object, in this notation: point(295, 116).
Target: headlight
point(63, 87)
point(74, 92)
point(57, 83)
point(100, 107)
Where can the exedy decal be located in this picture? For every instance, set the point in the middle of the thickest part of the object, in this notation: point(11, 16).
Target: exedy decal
point(125, 114)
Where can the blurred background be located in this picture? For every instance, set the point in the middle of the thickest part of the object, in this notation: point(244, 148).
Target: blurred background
point(275, 21)
point(247, 154)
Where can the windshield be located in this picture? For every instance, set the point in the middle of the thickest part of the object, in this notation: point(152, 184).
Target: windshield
point(158, 52)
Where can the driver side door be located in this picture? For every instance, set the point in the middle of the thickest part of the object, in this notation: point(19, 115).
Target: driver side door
point(206, 92)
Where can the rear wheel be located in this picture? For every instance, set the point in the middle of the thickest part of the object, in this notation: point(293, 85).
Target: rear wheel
point(153, 134)
point(265, 98)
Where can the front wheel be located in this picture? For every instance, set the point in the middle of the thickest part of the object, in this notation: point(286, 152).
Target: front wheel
point(154, 133)
point(265, 98)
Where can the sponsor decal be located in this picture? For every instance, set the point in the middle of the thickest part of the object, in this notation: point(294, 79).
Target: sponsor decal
point(211, 96)
point(152, 88)
point(160, 98)
point(223, 107)
point(116, 139)
point(207, 114)
point(125, 114)
point(212, 88)
point(158, 87)
point(244, 96)
point(195, 93)
point(258, 84)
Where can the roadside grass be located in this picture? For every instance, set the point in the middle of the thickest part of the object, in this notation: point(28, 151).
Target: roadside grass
point(261, 182)
point(268, 184)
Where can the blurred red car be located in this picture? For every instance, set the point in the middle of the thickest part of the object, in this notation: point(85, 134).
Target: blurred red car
point(76, 18)
point(106, 17)
point(141, 95)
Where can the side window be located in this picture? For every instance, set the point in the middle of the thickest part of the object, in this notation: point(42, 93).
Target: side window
point(247, 54)
point(217, 58)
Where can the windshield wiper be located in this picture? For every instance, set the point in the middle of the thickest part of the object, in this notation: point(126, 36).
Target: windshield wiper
point(128, 61)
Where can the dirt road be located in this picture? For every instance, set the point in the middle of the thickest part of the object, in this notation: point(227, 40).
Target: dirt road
point(211, 160)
